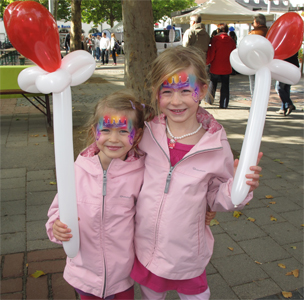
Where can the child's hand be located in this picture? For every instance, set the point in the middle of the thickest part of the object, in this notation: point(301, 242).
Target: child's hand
point(209, 216)
point(61, 231)
point(254, 183)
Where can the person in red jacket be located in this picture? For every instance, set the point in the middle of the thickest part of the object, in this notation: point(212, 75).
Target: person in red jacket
point(218, 58)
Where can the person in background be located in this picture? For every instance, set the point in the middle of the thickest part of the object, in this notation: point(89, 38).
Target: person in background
point(98, 48)
point(283, 89)
point(92, 45)
point(218, 58)
point(197, 36)
point(105, 46)
point(259, 28)
point(67, 42)
point(84, 45)
point(114, 48)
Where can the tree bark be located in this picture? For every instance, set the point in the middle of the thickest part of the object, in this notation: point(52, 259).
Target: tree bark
point(75, 25)
point(139, 46)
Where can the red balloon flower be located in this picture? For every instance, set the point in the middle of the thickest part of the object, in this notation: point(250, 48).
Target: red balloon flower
point(33, 31)
point(286, 35)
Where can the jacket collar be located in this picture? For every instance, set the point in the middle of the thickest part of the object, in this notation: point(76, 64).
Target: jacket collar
point(210, 140)
point(88, 160)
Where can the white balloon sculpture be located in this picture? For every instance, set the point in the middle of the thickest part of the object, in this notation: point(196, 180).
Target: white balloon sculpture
point(255, 56)
point(76, 67)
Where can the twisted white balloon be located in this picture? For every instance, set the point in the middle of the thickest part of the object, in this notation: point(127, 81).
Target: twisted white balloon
point(75, 68)
point(255, 56)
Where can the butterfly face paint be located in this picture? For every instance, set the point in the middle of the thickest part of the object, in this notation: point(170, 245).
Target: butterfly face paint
point(182, 80)
point(117, 123)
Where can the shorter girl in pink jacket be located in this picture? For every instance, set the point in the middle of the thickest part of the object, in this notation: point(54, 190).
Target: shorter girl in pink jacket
point(109, 175)
point(189, 169)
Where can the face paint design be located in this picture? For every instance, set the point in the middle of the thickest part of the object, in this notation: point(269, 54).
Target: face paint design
point(182, 80)
point(115, 122)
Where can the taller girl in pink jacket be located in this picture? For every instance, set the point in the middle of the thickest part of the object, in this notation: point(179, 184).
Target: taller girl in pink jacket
point(189, 169)
point(109, 175)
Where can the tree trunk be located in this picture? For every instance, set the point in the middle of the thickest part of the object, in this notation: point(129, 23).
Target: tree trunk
point(55, 9)
point(139, 46)
point(76, 25)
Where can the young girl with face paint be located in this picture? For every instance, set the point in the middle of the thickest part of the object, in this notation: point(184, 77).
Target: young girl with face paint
point(189, 170)
point(109, 175)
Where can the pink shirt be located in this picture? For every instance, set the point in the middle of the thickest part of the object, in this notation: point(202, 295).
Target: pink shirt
point(158, 284)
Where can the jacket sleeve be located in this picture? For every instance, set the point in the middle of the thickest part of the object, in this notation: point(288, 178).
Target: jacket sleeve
point(211, 53)
point(220, 185)
point(53, 215)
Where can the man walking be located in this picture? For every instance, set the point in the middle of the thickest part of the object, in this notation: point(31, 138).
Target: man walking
point(105, 45)
point(197, 36)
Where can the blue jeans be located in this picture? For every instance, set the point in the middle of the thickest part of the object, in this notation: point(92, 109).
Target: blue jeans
point(105, 53)
point(283, 90)
point(224, 96)
point(97, 53)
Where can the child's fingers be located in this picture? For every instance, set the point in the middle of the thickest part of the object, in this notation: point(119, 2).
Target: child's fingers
point(62, 237)
point(260, 155)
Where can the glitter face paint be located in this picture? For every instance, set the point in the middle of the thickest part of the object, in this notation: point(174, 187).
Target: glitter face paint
point(116, 122)
point(182, 80)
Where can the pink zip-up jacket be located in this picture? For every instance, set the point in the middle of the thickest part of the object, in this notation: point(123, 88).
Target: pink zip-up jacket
point(171, 238)
point(106, 208)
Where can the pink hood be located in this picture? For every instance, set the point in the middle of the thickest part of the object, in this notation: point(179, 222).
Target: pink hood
point(106, 208)
point(171, 238)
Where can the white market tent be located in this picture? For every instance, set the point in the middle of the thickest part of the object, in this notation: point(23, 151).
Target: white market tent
point(221, 11)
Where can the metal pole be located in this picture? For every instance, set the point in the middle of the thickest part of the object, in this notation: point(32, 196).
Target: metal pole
point(51, 6)
point(268, 6)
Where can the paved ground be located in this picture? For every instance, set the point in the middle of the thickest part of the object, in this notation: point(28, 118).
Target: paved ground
point(246, 254)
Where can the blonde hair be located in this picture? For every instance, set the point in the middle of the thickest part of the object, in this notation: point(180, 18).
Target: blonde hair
point(172, 61)
point(122, 101)
point(113, 35)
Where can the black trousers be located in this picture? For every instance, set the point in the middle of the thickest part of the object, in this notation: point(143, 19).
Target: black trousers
point(105, 52)
point(224, 94)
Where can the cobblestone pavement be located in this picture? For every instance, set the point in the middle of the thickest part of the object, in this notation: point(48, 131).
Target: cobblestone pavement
point(245, 263)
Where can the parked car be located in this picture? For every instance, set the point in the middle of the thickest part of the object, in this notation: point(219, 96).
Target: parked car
point(162, 38)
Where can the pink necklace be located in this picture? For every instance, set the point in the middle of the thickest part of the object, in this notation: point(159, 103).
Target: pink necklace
point(174, 138)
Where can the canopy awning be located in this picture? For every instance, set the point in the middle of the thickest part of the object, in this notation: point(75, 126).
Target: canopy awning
point(221, 11)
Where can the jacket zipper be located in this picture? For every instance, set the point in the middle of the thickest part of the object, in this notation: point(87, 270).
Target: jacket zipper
point(104, 193)
point(169, 176)
point(168, 180)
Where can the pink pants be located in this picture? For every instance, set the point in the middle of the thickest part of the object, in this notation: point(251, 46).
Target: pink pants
point(125, 295)
point(148, 294)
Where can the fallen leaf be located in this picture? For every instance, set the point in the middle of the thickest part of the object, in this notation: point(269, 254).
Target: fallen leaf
point(237, 214)
point(257, 262)
point(279, 176)
point(251, 219)
point(302, 225)
point(293, 247)
point(272, 218)
point(36, 144)
point(282, 266)
point(44, 135)
point(37, 274)
point(26, 265)
point(281, 163)
point(296, 273)
point(230, 248)
point(261, 175)
point(269, 197)
point(277, 160)
point(214, 222)
point(53, 183)
point(272, 202)
point(17, 119)
point(36, 135)
point(287, 294)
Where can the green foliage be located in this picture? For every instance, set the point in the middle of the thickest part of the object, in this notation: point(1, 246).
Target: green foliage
point(63, 11)
point(163, 9)
point(97, 11)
